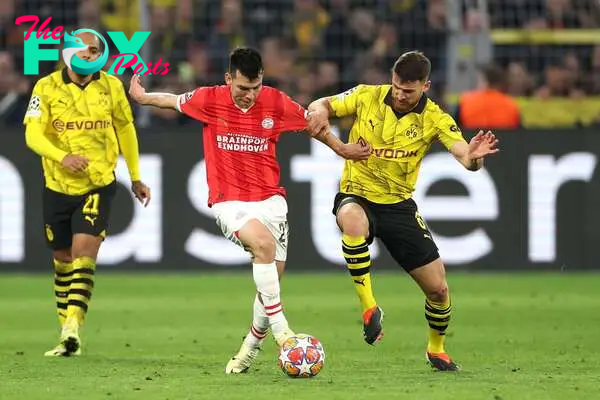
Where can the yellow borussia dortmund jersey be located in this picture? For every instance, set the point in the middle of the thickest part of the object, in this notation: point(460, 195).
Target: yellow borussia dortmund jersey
point(80, 120)
point(399, 141)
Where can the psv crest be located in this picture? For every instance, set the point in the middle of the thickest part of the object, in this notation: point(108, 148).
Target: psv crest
point(267, 123)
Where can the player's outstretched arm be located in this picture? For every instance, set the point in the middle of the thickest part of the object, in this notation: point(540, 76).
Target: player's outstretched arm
point(340, 105)
point(349, 151)
point(319, 112)
point(139, 95)
point(471, 155)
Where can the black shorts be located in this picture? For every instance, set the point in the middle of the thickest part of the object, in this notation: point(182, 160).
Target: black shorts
point(66, 215)
point(399, 226)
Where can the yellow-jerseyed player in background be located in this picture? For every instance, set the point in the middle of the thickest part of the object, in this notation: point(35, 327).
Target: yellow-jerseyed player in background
point(78, 124)
point(400, 123)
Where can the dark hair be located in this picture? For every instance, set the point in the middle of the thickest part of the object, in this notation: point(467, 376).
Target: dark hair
point(412, 66)
point(246, 60)
point(494, 76)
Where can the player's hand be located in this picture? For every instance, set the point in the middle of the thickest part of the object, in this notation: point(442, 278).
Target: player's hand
point(355, 151)
point(318, 122)
point(483, 144)
point(141, 192)
point(75, 163)
point(136, 90)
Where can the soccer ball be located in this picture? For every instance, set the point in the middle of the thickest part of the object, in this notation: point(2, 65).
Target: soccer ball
point(301, 356)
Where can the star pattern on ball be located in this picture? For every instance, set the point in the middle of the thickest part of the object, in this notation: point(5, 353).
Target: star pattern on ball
point(302, 356)
point(304, 367)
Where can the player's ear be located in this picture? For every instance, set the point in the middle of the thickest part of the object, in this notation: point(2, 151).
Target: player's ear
point(228, 78)
point(426, 86)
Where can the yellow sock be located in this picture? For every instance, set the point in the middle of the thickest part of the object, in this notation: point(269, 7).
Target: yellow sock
point(82, 285)
point(438, 318)
point(358, 261)
point(63, 273)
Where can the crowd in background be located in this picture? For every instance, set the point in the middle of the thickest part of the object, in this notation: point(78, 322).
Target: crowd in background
point(311, 47)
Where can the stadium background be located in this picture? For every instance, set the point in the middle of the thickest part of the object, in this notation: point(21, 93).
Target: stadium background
point(167, 334)
point(534, 206)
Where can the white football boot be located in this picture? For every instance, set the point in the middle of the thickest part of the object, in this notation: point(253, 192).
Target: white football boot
point(243, 360)
point(70, 343)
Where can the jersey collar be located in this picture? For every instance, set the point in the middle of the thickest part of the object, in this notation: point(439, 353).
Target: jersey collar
point(418, 108)
point(67, 80)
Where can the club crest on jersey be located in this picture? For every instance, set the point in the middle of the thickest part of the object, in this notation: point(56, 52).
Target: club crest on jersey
point(267, 123)
point(413, 131)
point(103, 99)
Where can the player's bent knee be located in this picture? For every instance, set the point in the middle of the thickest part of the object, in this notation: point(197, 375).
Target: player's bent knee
point(263, 247)
point(62, 255)
point(438, 293)
point(258, 240)
point(85, 245)
point(352, 220)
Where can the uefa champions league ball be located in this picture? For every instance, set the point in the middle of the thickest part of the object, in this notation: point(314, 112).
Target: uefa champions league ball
point(301, 356)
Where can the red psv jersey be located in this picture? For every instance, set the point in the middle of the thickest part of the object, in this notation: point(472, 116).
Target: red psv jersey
point(239, 146)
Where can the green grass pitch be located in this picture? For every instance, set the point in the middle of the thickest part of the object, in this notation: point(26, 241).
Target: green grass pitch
point(521, 336)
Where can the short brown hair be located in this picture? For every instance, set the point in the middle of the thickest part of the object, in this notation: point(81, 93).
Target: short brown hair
point(412, 66)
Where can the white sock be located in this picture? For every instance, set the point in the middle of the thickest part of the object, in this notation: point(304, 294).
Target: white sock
point(267, 284)
point(260, 325)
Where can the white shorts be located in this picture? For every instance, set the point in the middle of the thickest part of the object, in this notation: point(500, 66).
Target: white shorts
point(231, 216)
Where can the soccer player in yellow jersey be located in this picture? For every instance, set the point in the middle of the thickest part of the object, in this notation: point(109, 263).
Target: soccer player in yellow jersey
point(400, 123)
point(78, 124)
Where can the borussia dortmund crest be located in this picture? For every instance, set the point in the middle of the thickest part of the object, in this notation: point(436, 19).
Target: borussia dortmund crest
point(413, 131)
point(103, 100)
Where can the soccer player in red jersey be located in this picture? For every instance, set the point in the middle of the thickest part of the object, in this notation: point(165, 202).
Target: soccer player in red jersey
point(242, 124)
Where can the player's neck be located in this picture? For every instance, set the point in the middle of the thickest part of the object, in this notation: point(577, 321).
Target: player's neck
point(406, 109)
point(245, 110)
point(78, 79)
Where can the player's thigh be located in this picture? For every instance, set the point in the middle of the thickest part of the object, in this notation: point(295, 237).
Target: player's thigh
point(90, 221)
point(241, 223)
point(256, 238)
point(353, 216)
point(406, 235)
point(58, 209)
point(274, 217)
point(431, 278)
